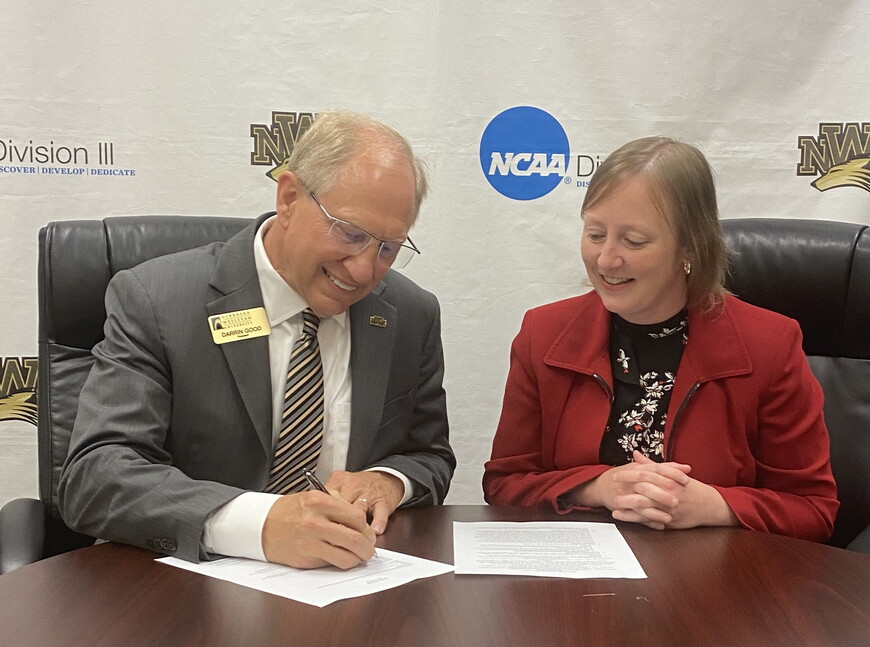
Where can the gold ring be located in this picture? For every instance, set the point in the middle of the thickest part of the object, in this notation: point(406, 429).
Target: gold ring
point(364, 499)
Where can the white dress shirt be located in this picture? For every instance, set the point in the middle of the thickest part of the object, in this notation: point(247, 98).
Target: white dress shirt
point(236, 528)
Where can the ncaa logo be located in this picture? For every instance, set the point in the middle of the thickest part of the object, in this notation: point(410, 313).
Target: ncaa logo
point(524, 153)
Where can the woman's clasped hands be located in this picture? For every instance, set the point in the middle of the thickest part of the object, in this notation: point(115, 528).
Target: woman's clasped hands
point(658, 495)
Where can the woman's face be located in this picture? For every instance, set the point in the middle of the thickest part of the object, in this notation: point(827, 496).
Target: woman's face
point(632, 256)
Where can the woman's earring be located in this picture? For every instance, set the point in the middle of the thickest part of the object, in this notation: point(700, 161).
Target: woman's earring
point(687, 267)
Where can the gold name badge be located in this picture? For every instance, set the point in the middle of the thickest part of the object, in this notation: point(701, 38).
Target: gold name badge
point(241, 324)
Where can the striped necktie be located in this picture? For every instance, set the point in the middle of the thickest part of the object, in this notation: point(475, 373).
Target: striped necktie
point(301, 435)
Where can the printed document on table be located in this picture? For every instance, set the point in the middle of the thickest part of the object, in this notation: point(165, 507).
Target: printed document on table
point(318, 586)
point(545, 549)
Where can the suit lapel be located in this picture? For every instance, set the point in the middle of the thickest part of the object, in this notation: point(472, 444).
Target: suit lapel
point(235, 277)
point(371, 355)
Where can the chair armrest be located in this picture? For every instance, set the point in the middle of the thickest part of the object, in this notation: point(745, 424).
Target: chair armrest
point(22, 533)
point(861, 543)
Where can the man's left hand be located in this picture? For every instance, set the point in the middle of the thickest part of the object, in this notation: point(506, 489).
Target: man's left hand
point(378, 493)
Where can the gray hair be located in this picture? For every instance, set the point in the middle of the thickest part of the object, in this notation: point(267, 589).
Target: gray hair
point(320, 156)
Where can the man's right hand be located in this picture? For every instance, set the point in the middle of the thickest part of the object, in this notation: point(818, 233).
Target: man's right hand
point(314, 529)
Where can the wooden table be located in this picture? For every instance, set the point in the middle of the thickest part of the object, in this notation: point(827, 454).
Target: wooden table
point(707, 586)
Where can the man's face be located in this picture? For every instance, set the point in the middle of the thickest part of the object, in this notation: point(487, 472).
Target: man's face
point(376, 193)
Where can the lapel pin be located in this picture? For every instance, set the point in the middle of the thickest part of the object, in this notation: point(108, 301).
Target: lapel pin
point(377, 320)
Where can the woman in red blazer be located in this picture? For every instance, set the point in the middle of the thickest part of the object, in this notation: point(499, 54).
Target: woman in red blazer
point(658, 395)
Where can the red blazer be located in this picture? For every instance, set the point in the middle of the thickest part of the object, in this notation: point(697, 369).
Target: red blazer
point(745, 413)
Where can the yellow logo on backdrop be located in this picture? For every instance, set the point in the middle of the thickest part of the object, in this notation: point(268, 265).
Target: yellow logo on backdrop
point(840, 155)
point(18, 388)
point(274, 143)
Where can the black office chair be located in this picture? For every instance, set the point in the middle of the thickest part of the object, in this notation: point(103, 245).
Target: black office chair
point(76, 261)
point(818, 273)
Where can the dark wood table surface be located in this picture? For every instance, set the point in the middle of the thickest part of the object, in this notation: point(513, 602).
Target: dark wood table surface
point(707, 586)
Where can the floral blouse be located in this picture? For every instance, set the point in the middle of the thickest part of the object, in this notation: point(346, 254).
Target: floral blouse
point(644, 359)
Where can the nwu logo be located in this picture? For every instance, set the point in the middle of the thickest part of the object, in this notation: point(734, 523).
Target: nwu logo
point(273, 143)
point(840, 155)
point(18, 388)
point(524, 153)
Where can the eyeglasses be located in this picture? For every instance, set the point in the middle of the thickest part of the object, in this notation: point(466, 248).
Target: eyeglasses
point(356, 239)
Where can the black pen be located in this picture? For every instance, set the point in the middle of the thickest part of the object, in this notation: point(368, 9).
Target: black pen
point(314, 482)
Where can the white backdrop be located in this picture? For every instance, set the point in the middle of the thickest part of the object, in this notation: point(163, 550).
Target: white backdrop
point(170, 90)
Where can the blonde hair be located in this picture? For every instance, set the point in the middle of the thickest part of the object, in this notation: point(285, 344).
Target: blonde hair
point(321, 154)
point(683, 191)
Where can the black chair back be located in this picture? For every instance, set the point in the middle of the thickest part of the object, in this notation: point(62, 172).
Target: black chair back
point(818, 272)
point(76, 261)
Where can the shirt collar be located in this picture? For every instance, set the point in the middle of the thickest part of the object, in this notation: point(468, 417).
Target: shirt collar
point(280, 300)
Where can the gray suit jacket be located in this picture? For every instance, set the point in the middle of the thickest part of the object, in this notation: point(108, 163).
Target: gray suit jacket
point(171, 426)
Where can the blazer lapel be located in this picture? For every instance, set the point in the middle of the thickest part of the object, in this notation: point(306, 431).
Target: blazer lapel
point(373, 324)
point(235, 276)
point(581, 346)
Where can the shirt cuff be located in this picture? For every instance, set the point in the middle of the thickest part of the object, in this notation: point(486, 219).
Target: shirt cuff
point(236, 528)
point(409, 488)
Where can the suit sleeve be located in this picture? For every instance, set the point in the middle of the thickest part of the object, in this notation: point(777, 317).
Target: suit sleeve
point(519, 471)
point(423, 452)
point(118, 482)
point(794, 491)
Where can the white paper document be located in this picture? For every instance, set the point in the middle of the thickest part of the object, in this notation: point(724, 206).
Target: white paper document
point(543, 548)
point(319, 586)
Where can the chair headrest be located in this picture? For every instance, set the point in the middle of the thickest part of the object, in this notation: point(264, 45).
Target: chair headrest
point(814, 271)
point(79, 257)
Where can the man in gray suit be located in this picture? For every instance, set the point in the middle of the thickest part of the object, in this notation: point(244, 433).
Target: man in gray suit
point(181, 415)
